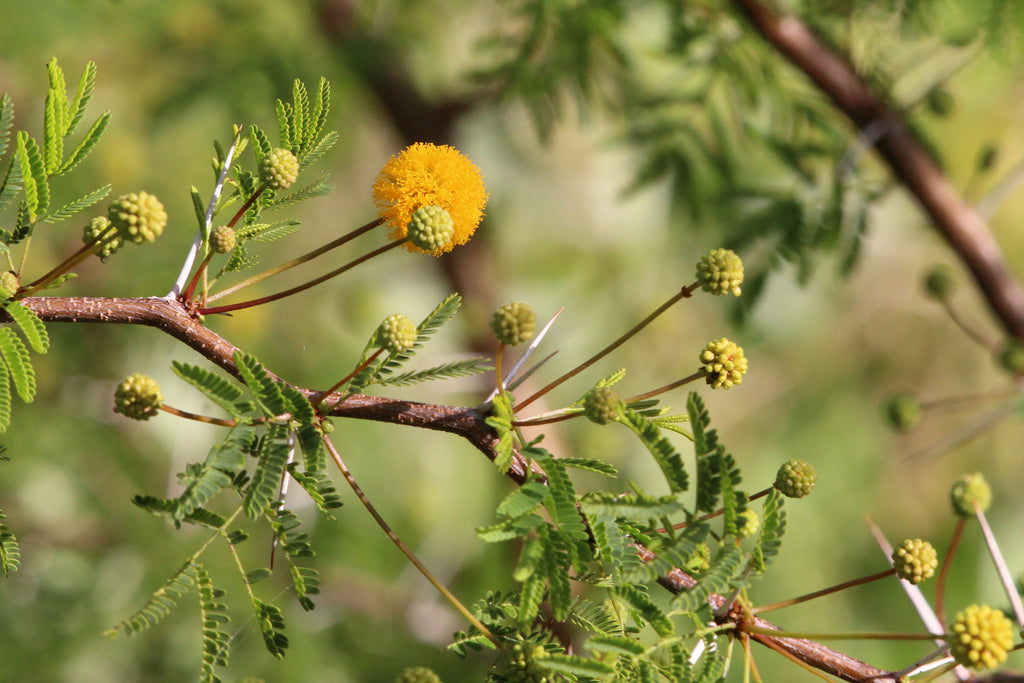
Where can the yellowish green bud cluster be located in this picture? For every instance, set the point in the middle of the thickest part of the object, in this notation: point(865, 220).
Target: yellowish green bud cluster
point(796, 478)
point(701, 560)
point(968, 490)
point(138, 397)
point(9, 284)
point(601, 405)
point(96, 227)
point(139, 217)
point(902, 411)
point(720, 271)
point(724, 364)
point(514, 323)
point(397, 334)
point(222, 239)
point(520, 665)
point(279, 169)
point(418, 674)
point(747, 523)
point(431, 229)
point(915, 560)
point(1012, 357)
point(940, 282)
point(980, 637)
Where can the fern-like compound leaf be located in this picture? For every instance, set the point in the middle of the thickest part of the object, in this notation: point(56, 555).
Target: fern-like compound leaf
point(643, 608)
point(266, 479)
point(260, 142)
point(10, 555)
point(160, 603)
point(264, 389)
point(5, 397)
point(300, 117)
point(317, 188)
point(83, 94)
point(216, 642)
point(524, 499)
point(619, 645)
point(271, 623)
point(269, 232)
point(15, 355)
point(204, 481)
point(533, 589)
point(10, 186)
point(298, 405)
point(530, 558)
point(216, 388)
point(634, 506)
point(773, 528)
point(32, 328)
point(6, 121)
point(594, 617)
point(556, 565)
point(306, 582)
point(322, 147)
point(459, 368)
point(505, 530)
point(86, 144)
point(575, 665)
point(667, 457)
point(311, 441)
point(73, 207)
point(284, 123)
point(53, 127)
point(719, 578)
point(31, 163)
point(562, 503)
point(590, 465)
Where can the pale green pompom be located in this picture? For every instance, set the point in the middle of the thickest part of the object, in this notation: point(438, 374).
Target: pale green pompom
point(431, 229)
point(915, 560)
point(139, 217)
point(724, 364)
point(138, 397)
point(397, 334)
point(720, 271)
point(514, 323)
point(222, 239)
point(279, 169)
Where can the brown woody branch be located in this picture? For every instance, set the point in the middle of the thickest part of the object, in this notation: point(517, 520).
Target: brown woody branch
point(961, 226)
point(171, 317)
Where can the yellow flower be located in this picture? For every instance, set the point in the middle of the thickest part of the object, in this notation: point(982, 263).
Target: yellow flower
point(430, 175)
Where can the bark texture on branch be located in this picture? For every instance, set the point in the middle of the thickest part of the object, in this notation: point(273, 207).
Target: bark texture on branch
point(961, 226)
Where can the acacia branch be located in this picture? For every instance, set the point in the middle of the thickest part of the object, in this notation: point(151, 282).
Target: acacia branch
point(171, 317)
point(961, 226)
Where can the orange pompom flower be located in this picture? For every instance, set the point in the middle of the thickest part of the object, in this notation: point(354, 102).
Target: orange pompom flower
point(425, 174)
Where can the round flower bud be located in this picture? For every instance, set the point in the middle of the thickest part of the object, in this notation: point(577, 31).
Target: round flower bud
point(601, 405)
point(138, 397)
point(514, 323)
point(940, 102)
point(397, 334)
point(902, 411)
point(9, 284)
point(1012, 357)
point(279, 169)
point(915, 560)
point(520, 665)
point(747, 523)
point(418, 674)
point(969, 489)
point(940, 281)
point(795, 479)
point(724, 364)
point(431, 229)
point(222, 239)
point(720, 271)
point(139, 217)
point(980, 637)
point(97, 226)
point(701, 560)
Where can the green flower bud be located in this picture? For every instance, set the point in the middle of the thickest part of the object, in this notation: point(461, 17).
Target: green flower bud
point(940, 102)
point(98, 226)
point(138, 397)
point(980, 637)
point(915, 560)
point(601, 405)
point(9, 284)
point(222, 239)
point(139, 217)
point(514, 323)
point(1012, 357)
point(431, 229)
point(969, 489)
point(279, 169)
point(720, 271)
point(940, 282)
point(418, 674)
point(520, 665)
point(747, 523)
point(397, 334)
point(902, 411)
point(795, 479)
point(724, 364)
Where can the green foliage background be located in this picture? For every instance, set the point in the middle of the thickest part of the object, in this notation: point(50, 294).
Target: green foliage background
point(561, 230)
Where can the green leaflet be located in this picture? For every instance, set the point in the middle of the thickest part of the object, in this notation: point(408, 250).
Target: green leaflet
point(33, 174)
point(15, 356)
point(266, 479)
point(203, 481)
point(524, 499)
point(459, 368)
point(10, 555)
point(260, 143)
point(639, 603)
point(667, 457)
point(621, 645)
point(500, 420)
point(575, 665)
point(532, 592)
point(83, 94)
point(271, 623)
point(317, 188)
point(219, 390)
point(5, 397)
point(6, 121)
point(216, 642)
point(32, 328)
point(773, 528)
point(86, 144)
point(71, 208)
point(263, 387)
point(295, 544)
point(311, 441)
point(562, 503)
point(268, 232)
point(160, 603)
point(717, 579)
point(298, 405)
